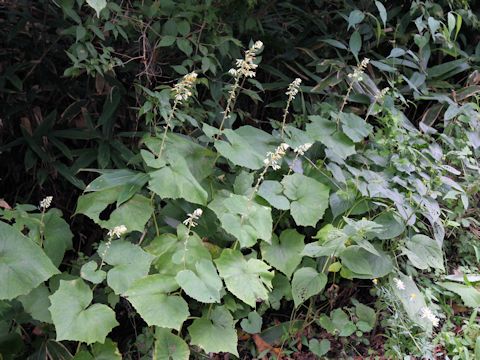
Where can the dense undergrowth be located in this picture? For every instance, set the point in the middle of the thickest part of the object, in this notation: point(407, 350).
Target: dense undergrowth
point(222, 179)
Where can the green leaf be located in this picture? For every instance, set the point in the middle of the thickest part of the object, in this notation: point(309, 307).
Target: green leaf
point(215, 333)
point(97, 5)
point(364, 264)
point(149, 296)
point(382, 11)
point(89, 272)
point(130, 262)
point(204, 284)
point(23, 264)
point(470, 295)
point(284, 254)
point(105, 351)
point(306, 283)
point(339, 144)
point(36, 303)
point(309, 198)
point(169, 346)
point(247, 146)
point(244, 219)
point(366, 315)
point(355, 127)
point(319, 348)
point(424, 252)
point(355, 44)
point(338, 323)
point(249, 280)
point(355, 17)
point(73, 316)
point(57, 236)
point(252, 324)
point(393, 225)
point(176, 181)
point(134, 213)
point(272, 191)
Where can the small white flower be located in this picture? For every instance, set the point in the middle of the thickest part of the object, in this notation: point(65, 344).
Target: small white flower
point(399, 284)
point(45, 203)
point(381, 94)
point(358, 71)
point(190, 221)
point(183, 88)
point(426, 313)
point(117, 231)
point(272, 159)
point(293, 88)
point(302, 149)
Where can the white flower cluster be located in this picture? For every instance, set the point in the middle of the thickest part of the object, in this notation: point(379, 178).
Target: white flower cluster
point(293, 88)
point(358, 72)
point(183, 89)
point(117, 231)
point(190, 221)
point(426, 313)
point(399, 284)
point(45, 203)
point(302, 149)
point(246, 66)
point(381, 94)
point(272, 159)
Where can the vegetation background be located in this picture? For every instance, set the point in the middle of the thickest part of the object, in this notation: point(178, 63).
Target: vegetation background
point(239, 179)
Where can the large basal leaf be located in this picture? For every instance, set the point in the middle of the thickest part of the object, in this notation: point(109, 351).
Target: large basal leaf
point(249, 280)
point(75, 318)
point(272, 191)
point(149, 296)
point(169, 346)
point(215, 332)
point(36, 303)
point(171, 257)
point(244, 219)
point(355, 127)
point(134, 213)
point(469, 294)
point(366, 265)
point(23, 264)
point(309, 198)
point(306, 283)
point(106, 351)
point(204, 284)
point(424, 252)
point(247, 146)
point(175, 181)
point(284, 254)
point(57, 236)
point(129, 263)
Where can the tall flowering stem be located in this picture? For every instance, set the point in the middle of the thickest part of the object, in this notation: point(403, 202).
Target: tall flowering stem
point(245, 68)
point(292, 91)
point(182, 91)
point(190, 221)
point(44, 205)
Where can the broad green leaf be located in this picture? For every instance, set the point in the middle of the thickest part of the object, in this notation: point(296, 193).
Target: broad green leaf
point(338, 323)
point(90, 272)
point(249, 280)
point(339, 144)
point(134, 213)
point(331, 243)
point(169, 346)
point(215, 332)
point(171, 256)
point(284, 254)
point(149, 296)
point(393, 225)
point(364, 264)
point(244, 219)
point(469, 294)
point(424, 252)
point(319, 348)
point(320, 128)
point(57, 236)
point(129, 262)
point(355, 127)
point(23, 264)
point(246, 146)
point(105, 351)
point(204, 284)
point(36, 303)
point(272, 191)
point(382, 11)
point(411, 298)
point(75, 318)
point(252, 324)
point(306, 283)
point(355, 44)
point(97, 5)
point(366, 316)
point(309, 198)
point(355, 17)
point(175, 181)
